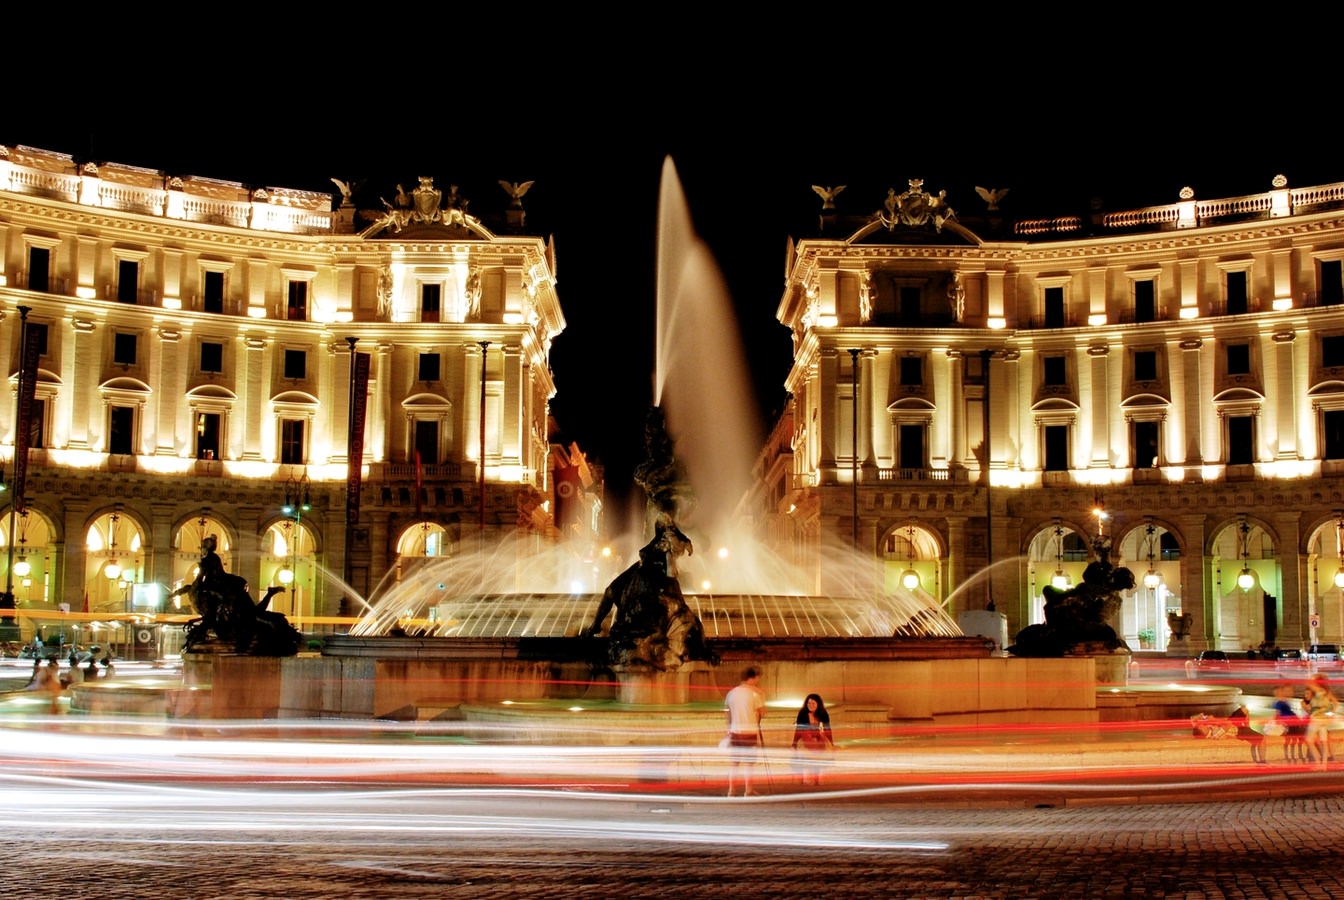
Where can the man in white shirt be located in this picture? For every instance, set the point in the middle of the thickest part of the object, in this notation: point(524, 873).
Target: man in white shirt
point(744, 706)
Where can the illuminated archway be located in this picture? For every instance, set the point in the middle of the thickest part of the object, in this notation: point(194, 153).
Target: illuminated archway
point(421, 542)
point(34, 557)
point(289, 560)
point(114, 562)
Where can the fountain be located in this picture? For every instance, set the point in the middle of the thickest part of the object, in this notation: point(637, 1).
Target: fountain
point(479, 638)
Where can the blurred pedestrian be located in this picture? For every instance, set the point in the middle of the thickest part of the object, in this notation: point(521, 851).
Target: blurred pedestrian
point(1290, 724)
point(1321, 703)
point(107, 666)
point(1241, 719)
point(812, 738)
point(744, 707)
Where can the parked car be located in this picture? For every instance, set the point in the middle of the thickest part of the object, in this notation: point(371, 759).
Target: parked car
point(1216, 660)
point(1290, 658)
point(1323, 653)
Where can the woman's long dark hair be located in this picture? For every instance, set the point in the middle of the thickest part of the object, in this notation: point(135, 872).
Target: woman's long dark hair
point(822, 715)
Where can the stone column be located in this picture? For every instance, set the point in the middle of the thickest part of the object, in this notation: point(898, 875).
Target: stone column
point(1196, 577)
point(1283, 396)
point(1293, 598)
point(253, 370)
point(1192, 400)
point(829, 400)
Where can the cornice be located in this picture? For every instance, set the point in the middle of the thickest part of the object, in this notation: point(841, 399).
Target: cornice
point(114, 227)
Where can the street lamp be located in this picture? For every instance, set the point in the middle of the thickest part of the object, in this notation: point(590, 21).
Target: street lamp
point(112, 569)
point(1245, 580)
point(1060, 579)
point(910, 578)
point(1151, 578)
point(1339, 548)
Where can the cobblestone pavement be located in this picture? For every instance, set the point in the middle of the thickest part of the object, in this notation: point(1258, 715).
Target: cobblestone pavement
point(444, 843)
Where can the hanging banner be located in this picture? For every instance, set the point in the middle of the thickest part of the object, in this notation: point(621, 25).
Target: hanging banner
point(359, 401)
point(22, 441)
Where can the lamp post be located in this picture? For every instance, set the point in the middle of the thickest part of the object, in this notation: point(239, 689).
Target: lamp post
point(985, 356)
point(485, 348)
point(347, 569)
point(297, 502)
point(854, 440)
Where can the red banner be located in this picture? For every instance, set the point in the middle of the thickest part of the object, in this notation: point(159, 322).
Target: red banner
point(27, 393)
point(359, 401)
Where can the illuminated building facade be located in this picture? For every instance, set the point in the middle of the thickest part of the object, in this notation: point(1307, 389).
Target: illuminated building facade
point(967, 390)
point(197, 348)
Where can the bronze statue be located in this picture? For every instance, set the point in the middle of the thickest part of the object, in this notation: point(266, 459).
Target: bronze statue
point(1079, 615)
point(228, 613)
point(653, 625)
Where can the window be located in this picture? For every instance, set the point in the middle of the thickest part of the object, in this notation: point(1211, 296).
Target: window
point(128, 281)
point(912, 370)
point(1332, 282)
point(207, 435)
point(1238, 359)
point(908, 299)
point(212, 296)
point(1236, 293)
point(212, 357)
point(427, 442)
point(1145, 365)
point(1332, 437)
point(430, 298)
point(1054, 307)
point(429, 367)
point(291, 442)
point(37, 334)
point(121, 430)
point(296, 363)
point(911, 450)
point(1055, 370)
point(1145, 301)
point(297, 307)
point(39, 269)
point(1332, 351)
point(1056, 439)
point(123, 349)
point(1240, 440)
point(1145, 447)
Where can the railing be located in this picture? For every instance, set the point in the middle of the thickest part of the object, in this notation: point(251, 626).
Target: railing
point(1066, 321)
point(439, 472)
point(243, 213)
point(906, 475)
point(132, 199)
point(1059, 225)
point(1135, 218)
point(1254, 204)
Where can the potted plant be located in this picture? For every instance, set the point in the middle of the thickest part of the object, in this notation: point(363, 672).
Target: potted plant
point(1146, 636)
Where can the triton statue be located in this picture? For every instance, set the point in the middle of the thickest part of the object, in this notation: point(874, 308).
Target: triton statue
point(653, 625)
point(1076, 618)
point(228, 613)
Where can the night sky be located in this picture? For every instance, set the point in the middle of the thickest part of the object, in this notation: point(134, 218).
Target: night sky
point(747, 153)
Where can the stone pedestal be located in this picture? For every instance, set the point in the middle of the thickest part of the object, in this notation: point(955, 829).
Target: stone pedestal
point(646, 686)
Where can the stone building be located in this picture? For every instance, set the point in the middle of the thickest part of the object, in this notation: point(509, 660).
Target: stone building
point(981, 403)
point(198, 350)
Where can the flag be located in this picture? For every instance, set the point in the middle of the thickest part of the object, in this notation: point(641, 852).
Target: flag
point(418, 511)
point(359, 401)
point(27, 393)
